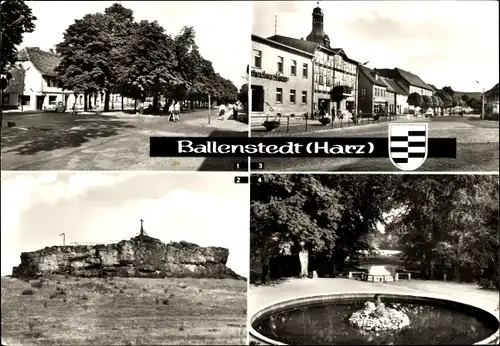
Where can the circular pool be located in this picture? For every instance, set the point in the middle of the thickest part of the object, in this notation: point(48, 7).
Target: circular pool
point(324, 320)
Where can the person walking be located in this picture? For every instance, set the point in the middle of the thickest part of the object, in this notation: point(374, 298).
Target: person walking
point(222, 111)
point(171, 111)
point(177, 111)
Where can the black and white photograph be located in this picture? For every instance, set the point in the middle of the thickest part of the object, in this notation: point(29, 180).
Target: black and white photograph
point(362, 259)
point(349, 68)
point(86, 83)
point(124, 258)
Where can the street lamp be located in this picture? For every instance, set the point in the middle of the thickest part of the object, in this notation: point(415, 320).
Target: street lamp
point(482, 102)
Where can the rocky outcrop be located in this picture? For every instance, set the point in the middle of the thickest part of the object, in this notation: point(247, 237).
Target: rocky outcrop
point(142, 256)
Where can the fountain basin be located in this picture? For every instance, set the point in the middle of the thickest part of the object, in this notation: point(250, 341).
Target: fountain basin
point(323, 320)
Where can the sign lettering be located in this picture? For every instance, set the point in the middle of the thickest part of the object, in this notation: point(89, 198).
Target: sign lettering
point(264, 75)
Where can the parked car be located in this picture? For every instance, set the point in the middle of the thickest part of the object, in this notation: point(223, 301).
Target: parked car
point(55, 106)
point(429, 113)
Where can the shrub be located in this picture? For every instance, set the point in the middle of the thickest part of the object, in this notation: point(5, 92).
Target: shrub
point(28, 292)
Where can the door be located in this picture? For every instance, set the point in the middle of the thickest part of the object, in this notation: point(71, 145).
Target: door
point(39, 102)
point(257, 98)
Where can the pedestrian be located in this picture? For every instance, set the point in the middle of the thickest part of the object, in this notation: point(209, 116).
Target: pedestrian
point(235, 110)
point(177, 111)
point(322, 110)
point(171, 111)
point(222, 111)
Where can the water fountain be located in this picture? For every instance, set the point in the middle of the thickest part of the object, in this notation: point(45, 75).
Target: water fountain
point(354, 319)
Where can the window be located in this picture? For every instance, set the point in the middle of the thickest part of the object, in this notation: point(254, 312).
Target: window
point(280, 64)
point(304, 97)
point(279, 95)
point(328, 81)
point(257, 58)
point(363, 91)
point(321, 81)
point(376, 108)
point(293, 68)
point(292, 96)
point(305, 71)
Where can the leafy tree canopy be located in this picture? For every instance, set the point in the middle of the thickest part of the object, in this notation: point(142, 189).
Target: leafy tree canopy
point(16, 20)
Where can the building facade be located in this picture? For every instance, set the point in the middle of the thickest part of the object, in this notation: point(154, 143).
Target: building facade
point(281, 78)
point(491, 99)
point(34, 85)
point(335, 74)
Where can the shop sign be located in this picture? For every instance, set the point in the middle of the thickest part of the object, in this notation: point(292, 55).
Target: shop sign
point(264, 75)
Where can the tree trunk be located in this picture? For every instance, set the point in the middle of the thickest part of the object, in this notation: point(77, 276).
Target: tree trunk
point(85, 102)
point(156, 99)
point(456, 272)
point(264, 274)
point(135, 105)
point(107, 98)
point(304, 263)
point(122, 102)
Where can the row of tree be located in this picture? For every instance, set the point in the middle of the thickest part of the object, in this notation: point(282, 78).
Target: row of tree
point(443, 98)
point(445, 222)
point(110, 52)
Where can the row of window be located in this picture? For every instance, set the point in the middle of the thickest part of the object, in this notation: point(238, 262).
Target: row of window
point(335, 61)
point(340, 79)
point(280, 64)
point(292, 96)
point(378, 93)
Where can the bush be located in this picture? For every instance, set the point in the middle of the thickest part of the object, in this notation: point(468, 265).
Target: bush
point(28, 292)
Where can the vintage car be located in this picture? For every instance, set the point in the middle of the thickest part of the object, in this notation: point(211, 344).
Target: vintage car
point(54, 106)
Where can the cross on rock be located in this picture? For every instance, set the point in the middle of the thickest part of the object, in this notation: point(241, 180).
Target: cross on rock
point(142, 227)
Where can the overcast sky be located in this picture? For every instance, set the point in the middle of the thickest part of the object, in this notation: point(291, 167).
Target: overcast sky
point(222, 27)
point(450, 43)
point(208, 209)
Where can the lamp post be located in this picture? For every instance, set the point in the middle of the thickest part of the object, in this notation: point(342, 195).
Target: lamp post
point(482, 102)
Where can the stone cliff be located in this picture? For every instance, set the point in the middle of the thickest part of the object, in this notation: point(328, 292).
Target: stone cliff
point(141, 256)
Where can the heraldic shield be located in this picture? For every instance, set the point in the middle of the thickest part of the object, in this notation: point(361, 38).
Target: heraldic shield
point(408, 145)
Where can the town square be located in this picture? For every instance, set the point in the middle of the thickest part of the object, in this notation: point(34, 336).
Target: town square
point(324, 69)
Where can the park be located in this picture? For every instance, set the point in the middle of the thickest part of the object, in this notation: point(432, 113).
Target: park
point(325, 247)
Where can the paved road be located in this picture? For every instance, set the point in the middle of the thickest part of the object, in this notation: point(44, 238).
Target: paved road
point(477, 148)
point(48, 141)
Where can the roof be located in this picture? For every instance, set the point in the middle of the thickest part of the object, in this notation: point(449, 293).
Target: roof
point(394, 86)
point(493, 90)
point(44, 62)
point(371, 76)
point(308, 46)
point(409, 77)
point(282, 46)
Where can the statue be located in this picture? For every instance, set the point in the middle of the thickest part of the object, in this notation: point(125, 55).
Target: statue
point(376, 317)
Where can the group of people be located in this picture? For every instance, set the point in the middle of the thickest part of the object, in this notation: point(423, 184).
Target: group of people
point(223, 108)
point(174, 111)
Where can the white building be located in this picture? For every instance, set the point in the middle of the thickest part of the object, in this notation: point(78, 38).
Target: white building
point(33, 84)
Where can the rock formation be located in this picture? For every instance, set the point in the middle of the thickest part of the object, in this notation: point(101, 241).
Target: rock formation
point(141, 256)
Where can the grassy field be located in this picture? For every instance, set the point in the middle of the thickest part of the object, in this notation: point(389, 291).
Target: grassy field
point(125, 311)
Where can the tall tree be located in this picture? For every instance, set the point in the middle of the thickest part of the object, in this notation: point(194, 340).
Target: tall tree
point(151, 61)
point(427, 102)
point(415, 100)
point(119, 26)
point(16, 19)
point(291, 209)
point(85, 56)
